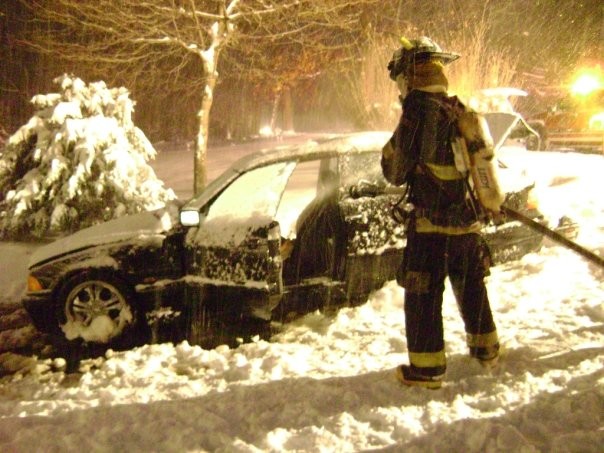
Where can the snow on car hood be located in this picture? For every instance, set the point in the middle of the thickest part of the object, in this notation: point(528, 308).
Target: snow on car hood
point(125, 228)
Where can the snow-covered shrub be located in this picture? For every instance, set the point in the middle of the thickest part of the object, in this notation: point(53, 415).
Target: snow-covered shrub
point(78, 161)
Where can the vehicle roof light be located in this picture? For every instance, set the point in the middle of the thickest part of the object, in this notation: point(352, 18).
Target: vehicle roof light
point(586, 84)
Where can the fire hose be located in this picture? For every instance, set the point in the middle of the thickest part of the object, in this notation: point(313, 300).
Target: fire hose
point(589, 255)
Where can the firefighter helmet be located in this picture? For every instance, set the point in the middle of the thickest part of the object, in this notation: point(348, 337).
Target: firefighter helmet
point(416, 51)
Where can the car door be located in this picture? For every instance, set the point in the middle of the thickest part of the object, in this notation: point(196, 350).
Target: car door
point(235, 252)
point(375, 238)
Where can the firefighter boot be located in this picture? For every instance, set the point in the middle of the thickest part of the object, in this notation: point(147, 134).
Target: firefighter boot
point(430, 378)
point(488, 356)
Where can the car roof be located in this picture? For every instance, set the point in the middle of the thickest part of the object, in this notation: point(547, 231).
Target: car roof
point(360, 142)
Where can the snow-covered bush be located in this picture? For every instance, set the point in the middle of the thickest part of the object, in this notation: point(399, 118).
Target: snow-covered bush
point(78, 161)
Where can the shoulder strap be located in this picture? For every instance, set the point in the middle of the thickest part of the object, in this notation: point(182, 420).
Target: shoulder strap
point(454, 108)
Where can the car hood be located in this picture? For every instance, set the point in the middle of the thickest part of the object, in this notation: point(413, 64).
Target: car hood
point(127, 228)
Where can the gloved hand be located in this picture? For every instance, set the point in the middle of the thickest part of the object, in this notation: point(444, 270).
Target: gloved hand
point(497, 217)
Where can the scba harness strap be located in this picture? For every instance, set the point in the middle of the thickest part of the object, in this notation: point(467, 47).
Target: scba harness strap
point(460, 212)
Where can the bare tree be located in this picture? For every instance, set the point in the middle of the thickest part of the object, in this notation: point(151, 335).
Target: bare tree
point(138, 36)
point(500, 43)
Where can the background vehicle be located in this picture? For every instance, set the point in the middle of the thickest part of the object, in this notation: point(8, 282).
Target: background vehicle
point(235, 258)
point(573, 117)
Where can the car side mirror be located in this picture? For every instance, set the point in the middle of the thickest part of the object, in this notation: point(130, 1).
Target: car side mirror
point(189, 218)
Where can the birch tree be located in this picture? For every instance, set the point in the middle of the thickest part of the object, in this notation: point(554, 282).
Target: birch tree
point(140, 35)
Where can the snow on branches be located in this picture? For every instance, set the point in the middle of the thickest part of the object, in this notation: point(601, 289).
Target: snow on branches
point(77, 162)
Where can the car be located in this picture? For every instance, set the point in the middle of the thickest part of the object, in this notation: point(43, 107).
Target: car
point(573, 117)
point(281, 233)
point(577, 129)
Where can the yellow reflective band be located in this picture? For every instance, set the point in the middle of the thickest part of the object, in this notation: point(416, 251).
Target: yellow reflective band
point(427, 359)
point(445, 172)
point(423, 225)
point(482, 340)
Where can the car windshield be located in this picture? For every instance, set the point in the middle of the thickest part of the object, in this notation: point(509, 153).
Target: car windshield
point(250, 202)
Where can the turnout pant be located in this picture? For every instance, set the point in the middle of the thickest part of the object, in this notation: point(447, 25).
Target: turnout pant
point(429, 259)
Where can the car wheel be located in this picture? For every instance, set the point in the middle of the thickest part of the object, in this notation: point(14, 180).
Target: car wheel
point(96, 307)
point(537, 142)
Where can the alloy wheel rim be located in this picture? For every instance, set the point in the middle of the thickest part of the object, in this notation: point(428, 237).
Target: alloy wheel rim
point(92, 299)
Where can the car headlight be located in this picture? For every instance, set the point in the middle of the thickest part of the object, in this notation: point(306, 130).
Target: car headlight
point(532, 202)
point(33, 284)
point(189, 218)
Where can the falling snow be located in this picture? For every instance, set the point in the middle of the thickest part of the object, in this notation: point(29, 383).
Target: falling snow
point(326, 383)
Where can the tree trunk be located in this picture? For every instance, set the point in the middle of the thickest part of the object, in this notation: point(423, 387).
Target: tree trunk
point(288, 110)
point(276, 102)
point(201, 143)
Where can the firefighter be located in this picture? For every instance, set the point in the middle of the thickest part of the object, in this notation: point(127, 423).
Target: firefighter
point(438, 150)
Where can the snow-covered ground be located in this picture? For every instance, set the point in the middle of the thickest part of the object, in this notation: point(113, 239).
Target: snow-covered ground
point(327, 384)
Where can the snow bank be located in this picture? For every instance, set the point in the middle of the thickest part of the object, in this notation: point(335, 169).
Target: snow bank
point(327, 384)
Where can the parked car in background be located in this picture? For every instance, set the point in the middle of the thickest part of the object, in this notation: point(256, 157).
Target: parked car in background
point(570, 124)
point(281, 233)
point(573, 117)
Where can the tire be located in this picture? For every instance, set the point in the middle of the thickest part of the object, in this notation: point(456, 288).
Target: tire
point(96, 307)
point(537, 143)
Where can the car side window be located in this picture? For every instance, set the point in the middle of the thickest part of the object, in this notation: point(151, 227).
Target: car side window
point(250, 202)
point(362, 166)
point(301, 189)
